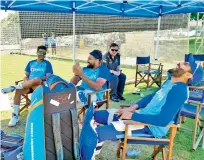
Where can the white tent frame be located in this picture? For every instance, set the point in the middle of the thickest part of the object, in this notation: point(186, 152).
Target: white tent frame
point(197, 41)
point(95, 3)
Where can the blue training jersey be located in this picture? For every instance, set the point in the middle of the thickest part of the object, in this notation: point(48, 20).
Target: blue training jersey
point(46, 40)
point(161, 108)
point(93, 74)
point(53, 39)
point(38, 69)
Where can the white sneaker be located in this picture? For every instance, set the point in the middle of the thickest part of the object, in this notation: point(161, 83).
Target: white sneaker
point(8, 90)
point(13, 120)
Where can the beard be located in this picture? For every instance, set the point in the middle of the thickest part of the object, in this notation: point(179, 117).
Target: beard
point(41, 57)
point(90, 65)
point(176, 72)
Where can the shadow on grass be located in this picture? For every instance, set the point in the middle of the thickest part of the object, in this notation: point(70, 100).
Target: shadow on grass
point(19, 128)
point(183, 139)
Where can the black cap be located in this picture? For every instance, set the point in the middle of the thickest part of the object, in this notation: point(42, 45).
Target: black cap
point(96, 54)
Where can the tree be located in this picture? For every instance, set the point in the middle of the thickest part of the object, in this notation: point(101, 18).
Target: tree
point(194, 16)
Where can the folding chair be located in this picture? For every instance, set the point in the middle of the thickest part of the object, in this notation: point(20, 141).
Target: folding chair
point(25, 101)
point(153, 72)
point(195, 111)
point(149, 140)
point(197, 57)
point(105, 100)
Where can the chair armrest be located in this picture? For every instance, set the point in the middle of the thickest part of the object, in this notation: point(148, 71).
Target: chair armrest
point(125, 106)
point(92, 93)
point(16, 82)
point(157, 64)
point(197, 88)
point(131, 122)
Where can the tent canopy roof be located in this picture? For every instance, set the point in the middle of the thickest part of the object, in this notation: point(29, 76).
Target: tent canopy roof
point(127, 8)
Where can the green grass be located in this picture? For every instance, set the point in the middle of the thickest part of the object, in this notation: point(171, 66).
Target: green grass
point(12, 68)
point(192, 44)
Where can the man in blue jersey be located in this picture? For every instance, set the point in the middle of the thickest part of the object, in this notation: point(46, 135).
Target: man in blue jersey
point(36, 72)
point(94, 77)
point(158, 109)
point(53, 43)
point(46, 40)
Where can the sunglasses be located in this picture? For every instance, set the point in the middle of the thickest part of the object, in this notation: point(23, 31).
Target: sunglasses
point(114, 50)
point(41, 52)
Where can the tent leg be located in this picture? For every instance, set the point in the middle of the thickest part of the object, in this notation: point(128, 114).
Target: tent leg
point(195, 44)
point(74, 37)
point(158, 34)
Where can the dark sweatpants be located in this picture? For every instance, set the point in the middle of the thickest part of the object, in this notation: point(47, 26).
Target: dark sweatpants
point(117, 84)
point(108, 132)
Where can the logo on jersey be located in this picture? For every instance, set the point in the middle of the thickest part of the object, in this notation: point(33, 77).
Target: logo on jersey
point(37, 70)
point(160, 94)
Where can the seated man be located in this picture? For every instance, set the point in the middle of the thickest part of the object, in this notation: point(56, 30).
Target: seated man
point(94, 77)
point(36, 72)
point(157, 109)
point(117, 81)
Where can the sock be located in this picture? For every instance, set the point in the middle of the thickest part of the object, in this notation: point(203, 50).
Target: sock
point(97, 149)
point(20, 86)
point(16, 109)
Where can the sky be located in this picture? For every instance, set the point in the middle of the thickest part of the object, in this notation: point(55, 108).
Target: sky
point(4, 14)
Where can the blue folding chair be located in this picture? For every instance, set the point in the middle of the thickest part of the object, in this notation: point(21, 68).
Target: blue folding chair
point(153, 72)
point(197, 57)
point(196, 98)
point(105, 101)
point(195, 111)
point(148, 139)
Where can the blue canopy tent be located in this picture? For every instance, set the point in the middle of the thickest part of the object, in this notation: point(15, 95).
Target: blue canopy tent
point(125, 8)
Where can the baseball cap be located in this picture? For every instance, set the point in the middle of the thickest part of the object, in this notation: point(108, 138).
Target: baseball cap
point(96, 54)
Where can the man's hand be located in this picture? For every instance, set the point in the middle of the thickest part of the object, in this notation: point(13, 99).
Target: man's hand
point(127, 108)
point(126, 115)
point(25, 79)
point(122, 110)
point(124, 106)
point(77, 70)
point(117, 73)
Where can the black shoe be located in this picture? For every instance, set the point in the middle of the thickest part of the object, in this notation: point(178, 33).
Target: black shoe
point(114, 99)
point(121, 98)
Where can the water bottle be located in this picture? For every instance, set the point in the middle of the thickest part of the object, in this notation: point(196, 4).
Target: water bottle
point(133, 153)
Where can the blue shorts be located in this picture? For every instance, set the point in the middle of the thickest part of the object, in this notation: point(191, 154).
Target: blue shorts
point(53, 45)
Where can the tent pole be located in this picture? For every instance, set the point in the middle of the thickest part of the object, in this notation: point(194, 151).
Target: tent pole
point(195, 43)
point(158, 34)
point(74, 37)
point(189, 19)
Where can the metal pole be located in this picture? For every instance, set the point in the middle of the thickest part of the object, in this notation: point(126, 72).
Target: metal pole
point(195, 44)
point(158, 34)
point(189, 19)
point(74, 37)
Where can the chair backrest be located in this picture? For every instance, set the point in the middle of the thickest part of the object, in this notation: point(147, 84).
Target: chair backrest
point(196, 94)
point(108, 84)
point(197, 69)
point(197, 57)
point(177, 118)
point(142, 60)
